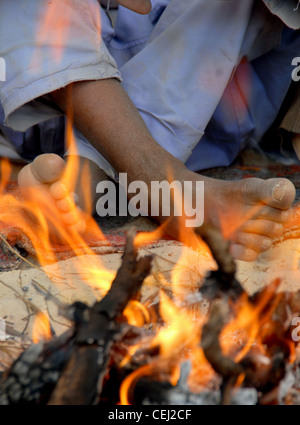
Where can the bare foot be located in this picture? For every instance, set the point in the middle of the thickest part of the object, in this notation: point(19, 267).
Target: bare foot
point(42, 181)
point(250, 212)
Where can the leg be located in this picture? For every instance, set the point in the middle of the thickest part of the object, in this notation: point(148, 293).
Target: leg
point(45, 173)
point(253, 210)
point(106, 116)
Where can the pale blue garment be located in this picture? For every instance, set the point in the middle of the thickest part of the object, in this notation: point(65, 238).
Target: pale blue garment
point(197, 103)
point(178, 79)
point(208, 77)
point(42, 57)
point(40, 60)
point(249, 105)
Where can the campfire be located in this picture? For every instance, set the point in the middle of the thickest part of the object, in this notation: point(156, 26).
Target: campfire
point(207, 343)
point(199, 338)
point(192, 334)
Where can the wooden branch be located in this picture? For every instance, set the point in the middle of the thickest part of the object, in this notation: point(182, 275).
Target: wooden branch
point(221, 282)
point(210, 343)
point(82, 380)
point(219, 248)
point(71, 368)
point(224, 366)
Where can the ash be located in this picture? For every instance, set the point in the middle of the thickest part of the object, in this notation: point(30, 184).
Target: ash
point(156, 393)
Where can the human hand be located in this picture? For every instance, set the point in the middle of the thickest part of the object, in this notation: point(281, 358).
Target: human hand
point(139, 6)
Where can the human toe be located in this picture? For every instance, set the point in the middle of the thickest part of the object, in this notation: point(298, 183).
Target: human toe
point(276, 192)
point(263, 227)
point(255, 242)
point(48, 168)
point(242, 253)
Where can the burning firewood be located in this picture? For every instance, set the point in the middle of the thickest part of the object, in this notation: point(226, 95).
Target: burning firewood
point(70, 369)
point(222, 281)
point(223, 365)
point(274, 311)
point(265, 363)
point(85, 365)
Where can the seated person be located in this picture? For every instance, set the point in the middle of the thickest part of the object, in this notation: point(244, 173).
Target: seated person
point(159, 96)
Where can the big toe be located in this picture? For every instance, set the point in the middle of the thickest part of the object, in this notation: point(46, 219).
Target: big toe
point(276, 192)
point(48, 168)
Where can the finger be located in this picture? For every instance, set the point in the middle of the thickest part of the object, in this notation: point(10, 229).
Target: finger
point(139, 6)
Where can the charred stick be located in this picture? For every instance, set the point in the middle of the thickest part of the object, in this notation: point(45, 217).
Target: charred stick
point(82, 380)
point(219, 248)
point(127, 282)
point(221, 282)
point(33, 376)
point(210, 343)
point(70, 369)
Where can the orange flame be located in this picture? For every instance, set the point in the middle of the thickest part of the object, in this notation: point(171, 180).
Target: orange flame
point(37, 217)
point(41, 330)
point(54, 30)
point(136, 314)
